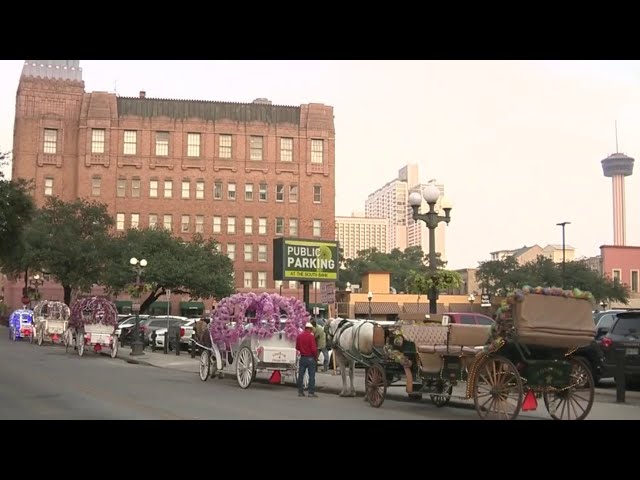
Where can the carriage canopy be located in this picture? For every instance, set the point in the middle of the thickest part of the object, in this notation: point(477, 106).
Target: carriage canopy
point(92, 310)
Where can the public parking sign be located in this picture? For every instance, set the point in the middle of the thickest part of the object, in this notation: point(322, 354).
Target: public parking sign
point(485, 300)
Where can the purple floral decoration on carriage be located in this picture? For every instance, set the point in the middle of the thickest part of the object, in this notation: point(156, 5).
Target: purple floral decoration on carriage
point(245, 314)
point(90, 310)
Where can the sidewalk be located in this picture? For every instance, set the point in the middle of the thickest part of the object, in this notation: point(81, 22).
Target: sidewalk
point(328, 382)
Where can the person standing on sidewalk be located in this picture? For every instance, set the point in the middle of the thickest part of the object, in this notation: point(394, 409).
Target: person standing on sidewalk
point(306, 345)
point(321, 343)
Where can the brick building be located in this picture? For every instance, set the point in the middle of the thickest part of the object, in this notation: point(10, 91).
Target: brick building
point(622, 263)
point(239, 172)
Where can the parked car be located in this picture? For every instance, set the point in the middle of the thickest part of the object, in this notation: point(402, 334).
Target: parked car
point(621, 337)
point(466, 318)
point(607, 314)
point(186, 332)
point(125, 328)
point(157, 322)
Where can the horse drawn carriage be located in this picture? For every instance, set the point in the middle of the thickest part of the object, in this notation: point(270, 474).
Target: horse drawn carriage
point(93, 324)
point(248, 335)
point(21, 324)
point(528, 354)
point(50, 320)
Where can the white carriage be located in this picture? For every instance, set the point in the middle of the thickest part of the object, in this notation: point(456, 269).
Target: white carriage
point(93, 324)
point(50, 321)
point(244, 346)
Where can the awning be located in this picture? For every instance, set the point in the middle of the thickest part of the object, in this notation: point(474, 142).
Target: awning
point(159, 306)
point(416, 307)
point(191, 306)
point(124, 306)
point(378, 308)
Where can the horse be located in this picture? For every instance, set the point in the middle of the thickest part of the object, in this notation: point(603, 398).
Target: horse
point(350, 340)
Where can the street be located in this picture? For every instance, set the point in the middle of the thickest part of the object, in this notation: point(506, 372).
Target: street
point(47, 383)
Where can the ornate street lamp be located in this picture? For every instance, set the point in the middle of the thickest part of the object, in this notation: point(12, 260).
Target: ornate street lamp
point(431, 194)
point(471, 298)
point(36, 280)
point(370, 297)
point(137, 346)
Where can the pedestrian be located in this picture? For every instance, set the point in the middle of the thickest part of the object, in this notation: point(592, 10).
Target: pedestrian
point(321, 343)
point(306, 346)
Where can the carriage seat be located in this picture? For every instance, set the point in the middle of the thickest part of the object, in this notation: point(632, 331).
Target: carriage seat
point(426, 337)
point(466, 339)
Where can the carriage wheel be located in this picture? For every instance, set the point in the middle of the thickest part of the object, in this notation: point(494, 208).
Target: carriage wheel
point(80, 343)
point(33, 334)
point(497, 392)
point(40, 337)
point(443, 393)
point(205, 365)
point(375, 383)
point(12, 334)
point(245, 367)
point(575, 402)
point(114, 346)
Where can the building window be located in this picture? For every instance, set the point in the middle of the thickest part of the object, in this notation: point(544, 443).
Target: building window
point(262, 279)
point(279, 226)
point(248, 226)
point(225, 146)
point(262, 196)
point(256, 148)
point(162, 144)
point(199, 190)
point(262, 253)
point(153, 220)
point(262, 226)
point(193, 144)
point(231, 225)
point(135, 220)
point(121, 187)
point(167, 220)
point(317, 150)
point(217, 224)
point(130, 142)
point(616, 275)
point(95, 186)
point(119, 221)
point(199, 223)
point(231, 251)
point(185, 223)
point(317, 228)
point(153, 188)
point(231, 191)
point(248, 192)
point(135, 188)
point(50, 140)
point(248, 252)
point(248, 280)
point(217, 191)
point(279, 193)
point(293, 227)
point(317, 193)
point(168, 188)
point(186, 188)
point(634, 281)
point(293, 193)
point(97, 140)
point(286, 149)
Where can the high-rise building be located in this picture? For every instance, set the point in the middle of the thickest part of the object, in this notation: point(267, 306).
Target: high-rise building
point(617, 166)
point(358, 233)
point(242, 173)
point(391, 201)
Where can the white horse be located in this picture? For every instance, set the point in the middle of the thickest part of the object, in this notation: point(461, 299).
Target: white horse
point(349, 339)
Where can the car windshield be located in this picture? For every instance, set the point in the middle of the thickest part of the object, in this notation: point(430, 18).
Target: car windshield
point(627, 325)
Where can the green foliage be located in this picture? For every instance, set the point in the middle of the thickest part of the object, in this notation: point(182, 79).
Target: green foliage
point(16, 211)
point(399, 263)
point(502, 276)
point(196, 268)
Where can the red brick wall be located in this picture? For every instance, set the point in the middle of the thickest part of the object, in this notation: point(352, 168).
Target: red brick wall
point(43, 103)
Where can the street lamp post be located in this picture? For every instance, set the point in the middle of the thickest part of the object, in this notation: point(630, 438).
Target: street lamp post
point(370, 297)
point(36, 281)
point(563, 224)
point(472, 298)
point(137, 347)
point(431, 194)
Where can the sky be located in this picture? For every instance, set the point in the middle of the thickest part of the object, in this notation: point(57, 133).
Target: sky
point(517, 144)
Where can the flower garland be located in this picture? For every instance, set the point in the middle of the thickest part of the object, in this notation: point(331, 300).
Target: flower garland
point(504, 326)
point(90, 310)
point(230, 322)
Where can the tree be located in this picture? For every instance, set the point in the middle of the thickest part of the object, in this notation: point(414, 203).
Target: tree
point(16, 211)
point(68, 240)
point(196, 268)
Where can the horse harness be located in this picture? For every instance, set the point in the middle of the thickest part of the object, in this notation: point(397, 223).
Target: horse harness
point(352, 352)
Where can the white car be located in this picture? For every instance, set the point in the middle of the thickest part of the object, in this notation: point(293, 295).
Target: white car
point(128, 323)
point(186, 331)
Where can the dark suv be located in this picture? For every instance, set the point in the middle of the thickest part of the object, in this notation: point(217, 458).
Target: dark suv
point(621, 336)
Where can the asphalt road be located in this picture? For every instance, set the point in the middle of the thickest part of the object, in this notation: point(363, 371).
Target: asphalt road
point(47, 383)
